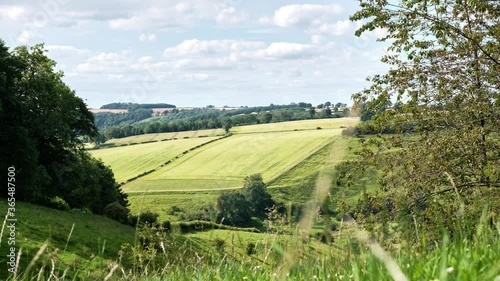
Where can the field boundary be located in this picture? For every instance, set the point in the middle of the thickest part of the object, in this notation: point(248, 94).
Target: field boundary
point(172, 160)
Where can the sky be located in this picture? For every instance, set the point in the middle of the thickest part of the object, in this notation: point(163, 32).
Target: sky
point(200, 52)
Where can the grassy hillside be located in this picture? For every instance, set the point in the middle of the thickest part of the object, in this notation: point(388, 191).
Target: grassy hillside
point(224, 164)
point(94, 240)
point(130, 161)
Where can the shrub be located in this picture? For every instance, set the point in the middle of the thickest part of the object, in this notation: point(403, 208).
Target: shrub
point(318, 128)
point(116, 212)
point(166, 226)
point(351, 131)
point(132, 220)
point(251, 249)
point(148, 217)
point(219, 244)
point(59, 203)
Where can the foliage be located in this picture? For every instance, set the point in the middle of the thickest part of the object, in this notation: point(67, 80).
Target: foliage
point(148, 217)
point(132, 106)
point(116, 212)
point(219, 244)
point(43, 124)
point(138, 120)
point(234, 209)
point(59, 203)
point(257, 195)
point(444, 81)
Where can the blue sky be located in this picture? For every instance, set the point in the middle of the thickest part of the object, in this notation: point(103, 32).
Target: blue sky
point(196, 53)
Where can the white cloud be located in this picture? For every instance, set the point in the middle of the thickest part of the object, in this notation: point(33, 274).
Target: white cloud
point(285, 50)
point(12, 12)
point(304, 15)
point(24, 37)
point(316, 19)
point(66, 51)
point(110, 63)
point(318, 39)
point(211, 47)
point(229, 16)
point(145, 59)
point(338, 28)
point(147, 37)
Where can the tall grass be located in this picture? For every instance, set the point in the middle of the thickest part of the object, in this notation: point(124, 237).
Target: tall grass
point(175, 258)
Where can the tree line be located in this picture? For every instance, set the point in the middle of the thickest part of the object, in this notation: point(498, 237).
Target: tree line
point(134, 122)
point(132, 106)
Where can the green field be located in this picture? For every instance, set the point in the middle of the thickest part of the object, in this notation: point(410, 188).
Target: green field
point(225, 163)
point(165, 136)
point(130, 161)
point(187, 203)
point(332, 123)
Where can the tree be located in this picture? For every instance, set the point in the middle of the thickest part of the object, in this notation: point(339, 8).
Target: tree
point(255, 192)
point(227, 124)
point(43, 124)
point(233, 209)
point(327, 112)
point(328, 104)
point(312, 112)
point(444, 58)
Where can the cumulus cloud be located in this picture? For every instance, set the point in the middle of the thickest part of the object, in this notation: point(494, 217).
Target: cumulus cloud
point(12, 12)
point(147, 37)
point(285, 50)
point(211, 47)
point(229, 16)
point(318, 19)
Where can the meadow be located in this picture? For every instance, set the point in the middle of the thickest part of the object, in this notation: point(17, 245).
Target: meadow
point(331, 123)
point(97, 248)
point(225, 163)
point(165, 136)
point(132, 160)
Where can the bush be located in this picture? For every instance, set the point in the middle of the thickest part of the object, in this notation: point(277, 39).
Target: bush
point(351, 131)
point(250, 250)
point(116, 212)
point(148, 217)
point(132, 220)
point(59, 203)
point(318, 128)
point(219, 244)
point(166, 226)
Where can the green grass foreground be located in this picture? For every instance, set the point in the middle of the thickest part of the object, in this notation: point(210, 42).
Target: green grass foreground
point(94, 252)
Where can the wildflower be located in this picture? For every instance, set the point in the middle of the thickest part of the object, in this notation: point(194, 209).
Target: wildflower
point(449, 269)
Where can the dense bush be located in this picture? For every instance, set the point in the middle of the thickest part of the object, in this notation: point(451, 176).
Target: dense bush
point(59, 203)
point(116, 212)
point(148, 217)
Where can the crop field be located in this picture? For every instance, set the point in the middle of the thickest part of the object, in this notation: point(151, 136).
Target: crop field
point(165, 136)
point(332, 123)
point(130, 161)
point(225, 163)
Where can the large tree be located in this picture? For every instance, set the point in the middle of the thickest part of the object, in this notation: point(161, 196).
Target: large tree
point(43, 123)
point(444, 77)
